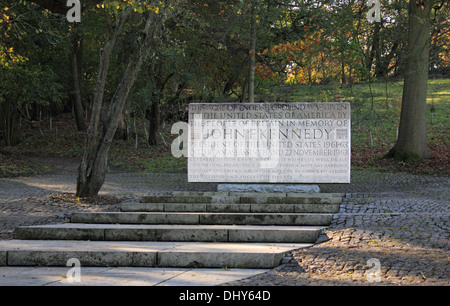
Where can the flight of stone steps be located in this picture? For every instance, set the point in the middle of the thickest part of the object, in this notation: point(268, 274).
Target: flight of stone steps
point(184, 229)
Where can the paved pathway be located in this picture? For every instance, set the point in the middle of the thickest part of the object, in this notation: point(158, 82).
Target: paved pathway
point(393, 229)
point(120, 276)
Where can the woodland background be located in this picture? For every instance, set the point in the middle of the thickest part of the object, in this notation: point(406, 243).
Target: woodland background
point(146, 60)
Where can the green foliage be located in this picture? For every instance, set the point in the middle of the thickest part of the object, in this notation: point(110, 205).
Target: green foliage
point(202, 55)
point(372, 136)
point(21, 88)
point(29, 79)
point(375, 119)
point(165, 164)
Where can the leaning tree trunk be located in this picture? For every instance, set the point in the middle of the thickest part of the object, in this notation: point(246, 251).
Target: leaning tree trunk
point(93, 166)
point(412, 141)
point(87, 183)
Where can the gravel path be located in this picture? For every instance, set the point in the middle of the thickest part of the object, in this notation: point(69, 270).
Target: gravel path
point(392, 229)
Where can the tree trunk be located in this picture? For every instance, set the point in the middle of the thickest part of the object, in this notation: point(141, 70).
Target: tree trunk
point(383, 68)
point(93, 166)
point(251, 79)
point(374, 50)
point(343, 81)
point(412, 141)
point(8, 111)
point(309, 76)
point(122, 128)
point(75, 64)
point(153, 133)
point(155, 109)
point(87, 183)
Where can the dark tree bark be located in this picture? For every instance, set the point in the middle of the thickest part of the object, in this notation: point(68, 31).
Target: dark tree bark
point(412, 141)
point(122, 127)
point(343, 80)
point(155, 113)
point(253, 33)
point(90, 172)
point(155, 109)
point(155, 122)
point(76, 46)
point(93, 166)
point(382, 68)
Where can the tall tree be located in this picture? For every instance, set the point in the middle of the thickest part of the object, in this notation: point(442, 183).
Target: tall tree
point(412, 140)
point(75, 54)
point(31, 81)
point(253, 38)
point(75, 58)
point(93, 166)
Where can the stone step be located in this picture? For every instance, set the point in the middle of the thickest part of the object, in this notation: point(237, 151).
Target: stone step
point(248, 199)
point(180, 233)
point(202, 218)
point(185, 229)
point(143, 254)
point(232, 207)
point(251, 194)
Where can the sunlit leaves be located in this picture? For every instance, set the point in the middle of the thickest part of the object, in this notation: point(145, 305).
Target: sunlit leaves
point(5, 21)
point(8, 58)
point(137, 6)
point(299, 59)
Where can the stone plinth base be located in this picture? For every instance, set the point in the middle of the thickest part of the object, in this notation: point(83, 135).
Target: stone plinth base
point(268, 188)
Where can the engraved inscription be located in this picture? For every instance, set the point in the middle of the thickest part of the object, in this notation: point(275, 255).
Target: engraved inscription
point(269, 142)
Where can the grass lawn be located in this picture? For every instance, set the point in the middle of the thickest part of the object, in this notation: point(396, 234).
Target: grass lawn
point(375, 118)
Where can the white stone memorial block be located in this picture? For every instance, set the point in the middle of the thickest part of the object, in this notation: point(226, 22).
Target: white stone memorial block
point(269, 142)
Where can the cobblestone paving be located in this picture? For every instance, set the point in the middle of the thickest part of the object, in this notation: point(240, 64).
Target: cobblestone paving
point(392, 229)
